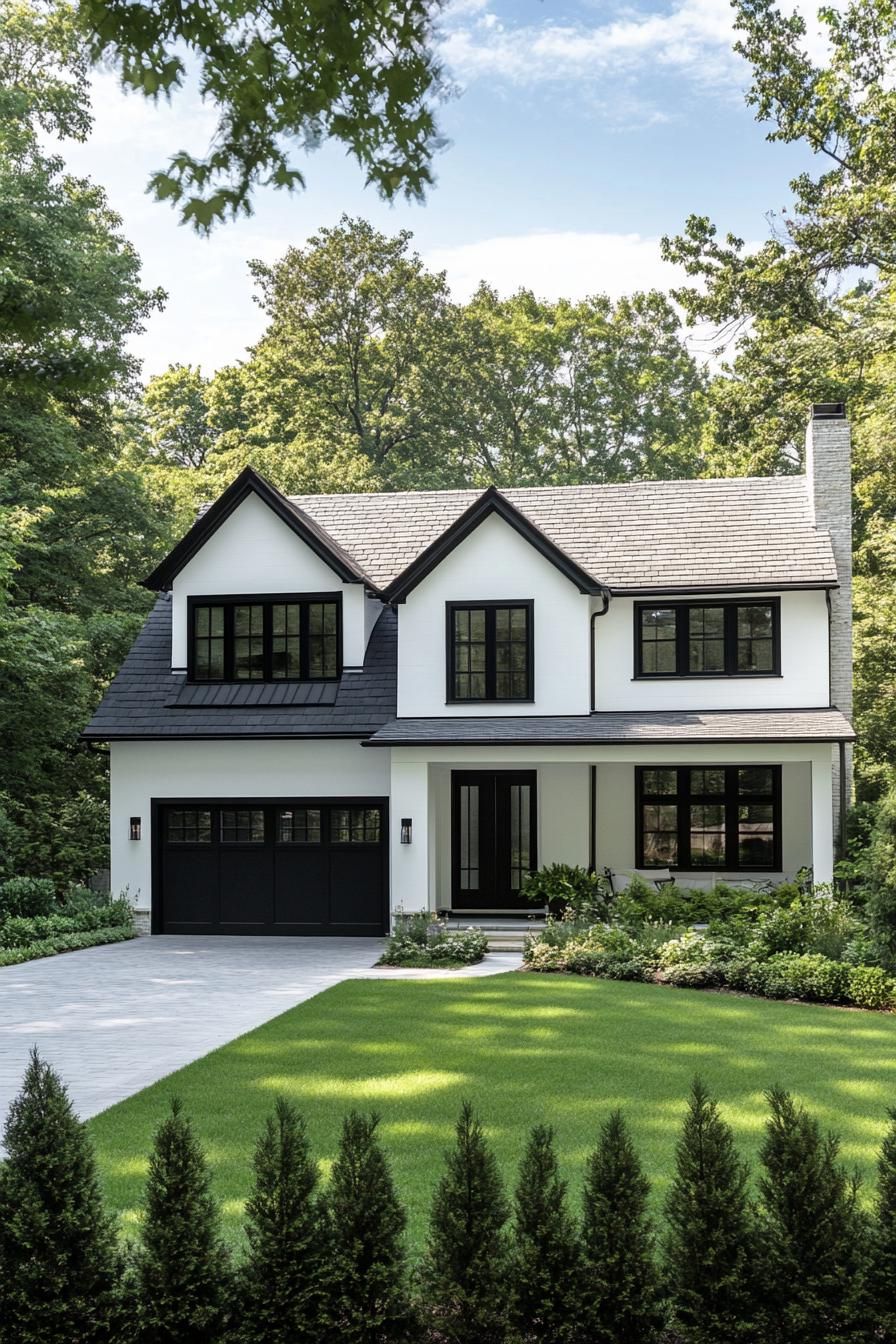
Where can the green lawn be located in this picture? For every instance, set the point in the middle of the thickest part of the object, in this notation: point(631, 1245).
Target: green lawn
point(524, 1048)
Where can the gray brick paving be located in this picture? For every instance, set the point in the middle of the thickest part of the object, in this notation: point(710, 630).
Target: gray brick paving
point(115, 1019)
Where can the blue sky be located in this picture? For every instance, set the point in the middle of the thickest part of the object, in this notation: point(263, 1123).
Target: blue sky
point(582, 132)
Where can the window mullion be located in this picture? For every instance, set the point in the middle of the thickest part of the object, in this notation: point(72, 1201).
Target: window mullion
point(229, 646)
point(304, 650)
point(732, 800)
point(730, 640)
point(684, 817)
point(490, 654)
point(267, 640)
point(682, 641)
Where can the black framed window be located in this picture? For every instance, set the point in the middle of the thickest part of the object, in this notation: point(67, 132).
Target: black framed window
point(711, 639)
point(189, 826)
point(490, 651)
point(355, 825)
point(265, 638)
point(718, 817)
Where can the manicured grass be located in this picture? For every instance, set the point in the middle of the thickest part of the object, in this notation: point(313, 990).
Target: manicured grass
point(524, 1048)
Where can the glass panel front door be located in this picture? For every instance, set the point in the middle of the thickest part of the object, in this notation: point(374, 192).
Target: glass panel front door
point(493, 837)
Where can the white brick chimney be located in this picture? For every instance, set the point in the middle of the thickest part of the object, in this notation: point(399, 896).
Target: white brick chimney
point(829, 480)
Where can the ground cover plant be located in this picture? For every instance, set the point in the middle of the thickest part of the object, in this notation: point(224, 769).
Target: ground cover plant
point(800, 1261)
point(524, 1049)
point(420, 939)
point(37, 921)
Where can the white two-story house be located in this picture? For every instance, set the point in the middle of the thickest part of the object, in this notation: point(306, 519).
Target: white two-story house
point(342, 705)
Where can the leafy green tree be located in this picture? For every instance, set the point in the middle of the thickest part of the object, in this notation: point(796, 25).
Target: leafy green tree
point(710, 1243)
point(281, 1291)
point(369, 1301)
point(619, 1279)
point(883, 1237)
point(464, 1271)
point(880, 879)
point(284, 78)
point(812, 1236)
point(544, 1259)
point(182, 1270)
point(60, 1271)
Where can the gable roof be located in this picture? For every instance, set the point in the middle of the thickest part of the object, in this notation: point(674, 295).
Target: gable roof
point(744, 533)
point(490, 502)
point(288, 511)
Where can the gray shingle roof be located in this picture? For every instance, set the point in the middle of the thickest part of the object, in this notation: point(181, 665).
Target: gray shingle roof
point(661, 535)
point(146, 701)
point(611, 728)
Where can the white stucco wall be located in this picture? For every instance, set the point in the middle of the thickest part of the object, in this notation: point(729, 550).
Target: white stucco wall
point(254, 551)
point(142, 771)
point(495, 563)
point(804, 663)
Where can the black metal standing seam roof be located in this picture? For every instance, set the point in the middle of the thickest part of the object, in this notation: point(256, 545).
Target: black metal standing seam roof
point(147, 701)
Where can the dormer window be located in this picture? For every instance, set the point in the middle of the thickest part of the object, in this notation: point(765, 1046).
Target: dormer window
point(265, 639)
point(490, 651)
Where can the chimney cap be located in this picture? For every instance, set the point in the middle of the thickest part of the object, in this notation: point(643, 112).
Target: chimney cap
point(829, 410)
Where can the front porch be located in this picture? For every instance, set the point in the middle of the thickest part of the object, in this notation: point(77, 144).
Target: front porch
point(481, 817)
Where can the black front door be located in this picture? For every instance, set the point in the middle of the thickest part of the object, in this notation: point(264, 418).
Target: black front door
point(493, 821)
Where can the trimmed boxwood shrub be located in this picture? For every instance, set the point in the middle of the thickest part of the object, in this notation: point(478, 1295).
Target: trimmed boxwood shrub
point(26, 897)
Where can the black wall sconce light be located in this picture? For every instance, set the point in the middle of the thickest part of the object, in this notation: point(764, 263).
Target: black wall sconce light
point(135, 828)
point(406, 830)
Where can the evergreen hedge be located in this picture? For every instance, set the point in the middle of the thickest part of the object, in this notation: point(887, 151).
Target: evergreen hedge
point(801, 1261)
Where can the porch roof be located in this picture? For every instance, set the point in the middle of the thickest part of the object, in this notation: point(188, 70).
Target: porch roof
point(620, 726)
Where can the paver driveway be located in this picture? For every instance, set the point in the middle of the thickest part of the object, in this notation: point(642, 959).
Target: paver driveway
point(114, 1019)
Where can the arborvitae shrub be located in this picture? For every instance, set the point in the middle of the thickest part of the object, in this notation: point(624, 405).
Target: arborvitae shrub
point(182, 1270)
point(60, 1270)
point(812, 1236)
point(281, 1296)
point(883, 1239)
point(464, 1271)
point(619, 1280)
point(544, 1262)
point(709, 1236)
point(369, 1302)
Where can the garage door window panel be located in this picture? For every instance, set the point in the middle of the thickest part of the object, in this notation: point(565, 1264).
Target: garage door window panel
point(189, 827)
point(299, 826)
point(355, 826)
point(242, 826)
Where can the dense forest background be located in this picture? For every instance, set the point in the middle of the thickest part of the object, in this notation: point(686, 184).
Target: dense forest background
point(369, 376)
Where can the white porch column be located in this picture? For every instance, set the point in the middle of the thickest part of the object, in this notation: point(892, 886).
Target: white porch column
point(822, 816)
point(410, 865)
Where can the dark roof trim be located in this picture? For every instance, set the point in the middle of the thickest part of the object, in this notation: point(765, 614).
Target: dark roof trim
point(88, 736)
point(682, 742)
point(250, 482)
point(798, 587)
point(489, 502)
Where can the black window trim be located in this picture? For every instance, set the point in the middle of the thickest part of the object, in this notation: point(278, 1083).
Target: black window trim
point(490, 605)
point(230, 600)
point(730, 607)
point(730, 800)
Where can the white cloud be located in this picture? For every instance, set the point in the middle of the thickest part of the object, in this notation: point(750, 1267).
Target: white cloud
point(568, 264)
point(693, 37)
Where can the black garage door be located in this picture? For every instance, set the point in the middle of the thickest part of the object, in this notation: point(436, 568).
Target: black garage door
point(251, 867)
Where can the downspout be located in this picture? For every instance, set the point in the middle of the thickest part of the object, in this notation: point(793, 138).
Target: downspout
point(844, 800)
point(592, 769)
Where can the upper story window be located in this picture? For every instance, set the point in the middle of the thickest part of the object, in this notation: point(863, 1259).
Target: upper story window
point(265, 639)
point(711, 639)
point(490, 651)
